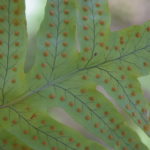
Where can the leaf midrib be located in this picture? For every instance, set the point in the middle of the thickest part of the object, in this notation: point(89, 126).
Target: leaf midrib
point(73, 73)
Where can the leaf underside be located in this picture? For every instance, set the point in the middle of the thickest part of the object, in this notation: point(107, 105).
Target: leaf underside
point(76, 52)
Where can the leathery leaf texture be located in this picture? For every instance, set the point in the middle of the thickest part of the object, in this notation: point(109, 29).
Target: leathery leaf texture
point(75, 53)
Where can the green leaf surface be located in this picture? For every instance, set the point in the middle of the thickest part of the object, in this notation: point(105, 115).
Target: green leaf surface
point(40, 131)
point(10, 142)
point(75, 53)
point(13, 39)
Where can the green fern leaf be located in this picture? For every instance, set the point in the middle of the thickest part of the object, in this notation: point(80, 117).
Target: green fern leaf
point(13, 39)
point(8, 141)
point(76, 52)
